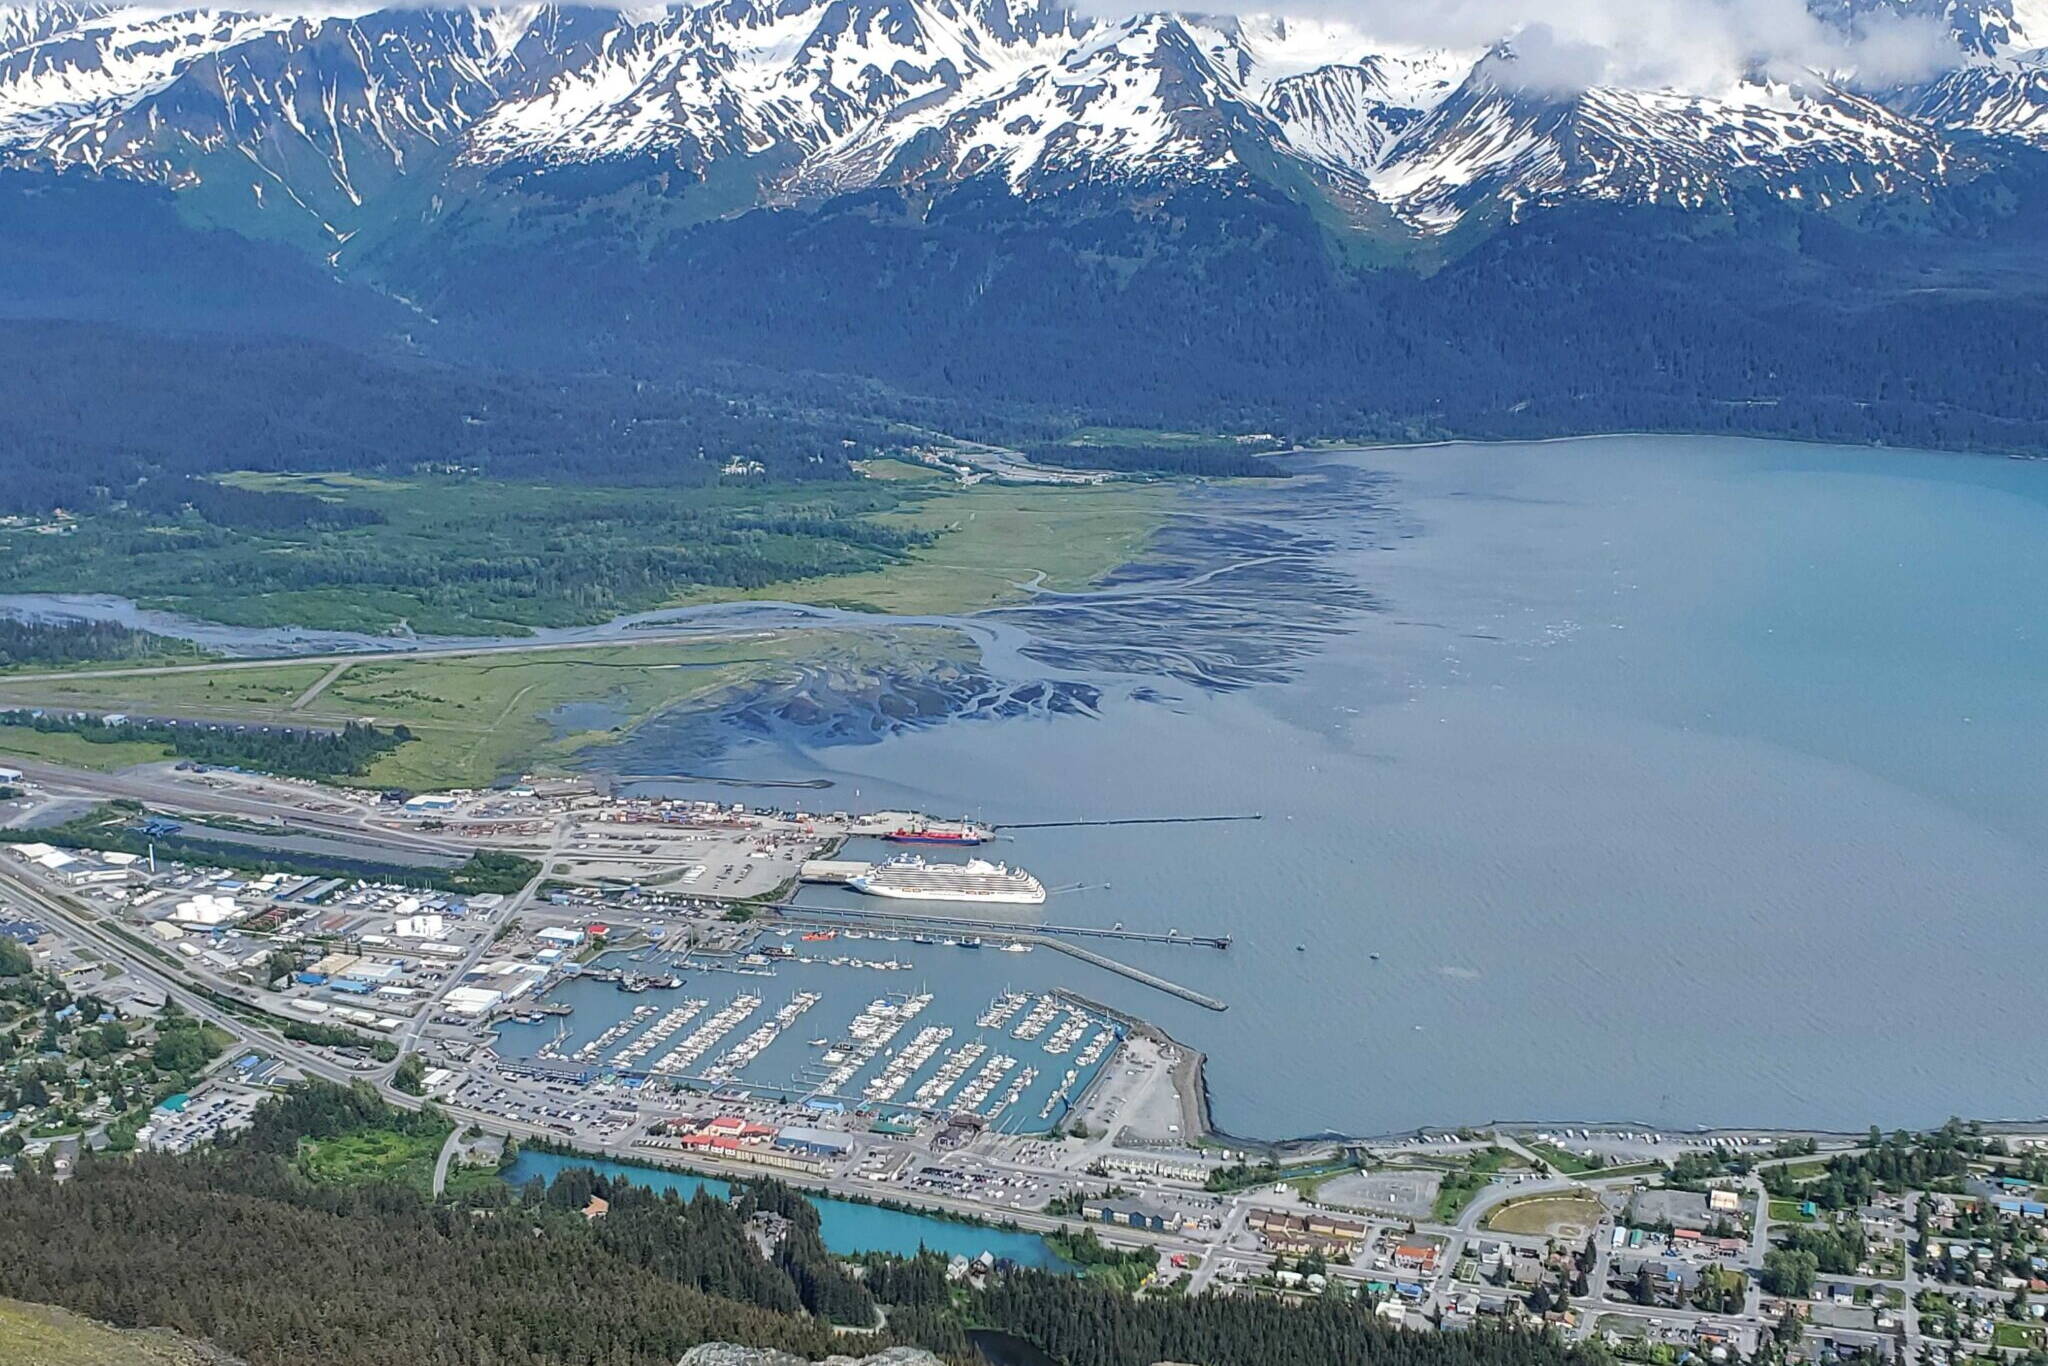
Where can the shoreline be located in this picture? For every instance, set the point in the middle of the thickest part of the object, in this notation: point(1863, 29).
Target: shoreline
point(1340, 447)
point(1199, 1129)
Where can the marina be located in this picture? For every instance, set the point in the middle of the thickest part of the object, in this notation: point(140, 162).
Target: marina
point(954, 1040)
point(700, 1040)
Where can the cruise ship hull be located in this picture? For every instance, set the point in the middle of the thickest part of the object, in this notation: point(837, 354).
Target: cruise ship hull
point(910, 878)
point(1022, 896)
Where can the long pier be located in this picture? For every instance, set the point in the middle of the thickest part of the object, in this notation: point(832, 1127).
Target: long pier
point(977, 924)
point(1022, 934)
point(1153, 980)
point(1127, 820)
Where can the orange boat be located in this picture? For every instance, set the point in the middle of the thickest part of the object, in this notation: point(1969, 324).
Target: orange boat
point(814, 936)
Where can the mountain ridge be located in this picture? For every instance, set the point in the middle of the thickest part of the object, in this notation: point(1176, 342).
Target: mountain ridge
point(314, 127)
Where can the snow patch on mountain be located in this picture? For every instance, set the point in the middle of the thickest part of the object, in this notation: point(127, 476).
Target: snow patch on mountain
point(64, 65)
point(324, 114)
point(2004, 97)
point(1493, 143)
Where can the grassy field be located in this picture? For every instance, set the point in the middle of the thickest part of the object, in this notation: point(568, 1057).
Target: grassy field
point(458, 555)
point(1546, 1214)
point(482, 717)
point(75, 751)
point(374, 1155)
point(990, 540)
point(1563, 1159)
point(901, 469)
point(1470, 1175)
point(1457, 1191)
point(1787, 1212)
point(2017, 1335)
point(476, 717)
point(42, 1335)
point(467, 1180)
point(174, 692)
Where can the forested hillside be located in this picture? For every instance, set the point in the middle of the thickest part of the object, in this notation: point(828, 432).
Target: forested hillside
point(798, 338)
point(94, 413)
point(248, 1250)
point(1243, 313)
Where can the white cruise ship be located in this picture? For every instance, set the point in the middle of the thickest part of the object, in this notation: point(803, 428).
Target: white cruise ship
point(912, 879)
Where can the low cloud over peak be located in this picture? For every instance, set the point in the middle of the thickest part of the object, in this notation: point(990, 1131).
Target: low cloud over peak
point(1696, 46)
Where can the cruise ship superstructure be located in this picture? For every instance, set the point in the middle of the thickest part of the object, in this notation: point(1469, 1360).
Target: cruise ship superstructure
point(911, 878)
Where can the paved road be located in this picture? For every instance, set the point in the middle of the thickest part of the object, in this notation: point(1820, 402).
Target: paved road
point(326, 680)
point(137, 963)
point(448, 1148)
point(409, 1039)
point(165, 793)
point(372, 656)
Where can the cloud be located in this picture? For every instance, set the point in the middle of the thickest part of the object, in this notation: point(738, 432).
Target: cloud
point(1697, 46)
point(1694, 46)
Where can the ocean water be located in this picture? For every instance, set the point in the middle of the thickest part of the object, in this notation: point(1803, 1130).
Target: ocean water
point(1682, 780)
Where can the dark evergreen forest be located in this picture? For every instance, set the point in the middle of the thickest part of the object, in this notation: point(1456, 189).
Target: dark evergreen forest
point(240, 1247)
point(143, 352)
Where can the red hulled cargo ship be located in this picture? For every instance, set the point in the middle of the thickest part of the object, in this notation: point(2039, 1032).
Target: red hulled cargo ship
point(961, 834)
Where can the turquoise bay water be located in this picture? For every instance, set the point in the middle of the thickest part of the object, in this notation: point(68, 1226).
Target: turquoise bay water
point(846, 1227)
point(1683, 780)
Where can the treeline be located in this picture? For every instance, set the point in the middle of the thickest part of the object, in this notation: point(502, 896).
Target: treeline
point(493, 870)
point(287, 751)
point(243, 1251)
point(323, 1109)
point(1220, 460)
point(337, 1036)
point(1835, 1251)
point(248, 509)
point(1081, 1323)
point(239, 1247)
point(463, 553)
point(70, 642)
point(1895, 1162)
point(823, 1283)
point(116, 827)
point(95, 415)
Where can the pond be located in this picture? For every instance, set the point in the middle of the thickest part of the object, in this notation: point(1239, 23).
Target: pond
point(847, 1226)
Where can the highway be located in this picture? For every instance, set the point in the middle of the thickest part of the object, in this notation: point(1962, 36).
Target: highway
point(87, 929)
point(174, 797)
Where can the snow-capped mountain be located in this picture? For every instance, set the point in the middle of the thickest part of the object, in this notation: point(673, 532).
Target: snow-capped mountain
point(315, 123)
point(2003, 97)
point(1491, 143)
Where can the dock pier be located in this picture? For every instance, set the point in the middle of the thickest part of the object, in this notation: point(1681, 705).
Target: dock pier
point(1139, 975)
point(862, 915)
point(827, 916)
point(1128, 820)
